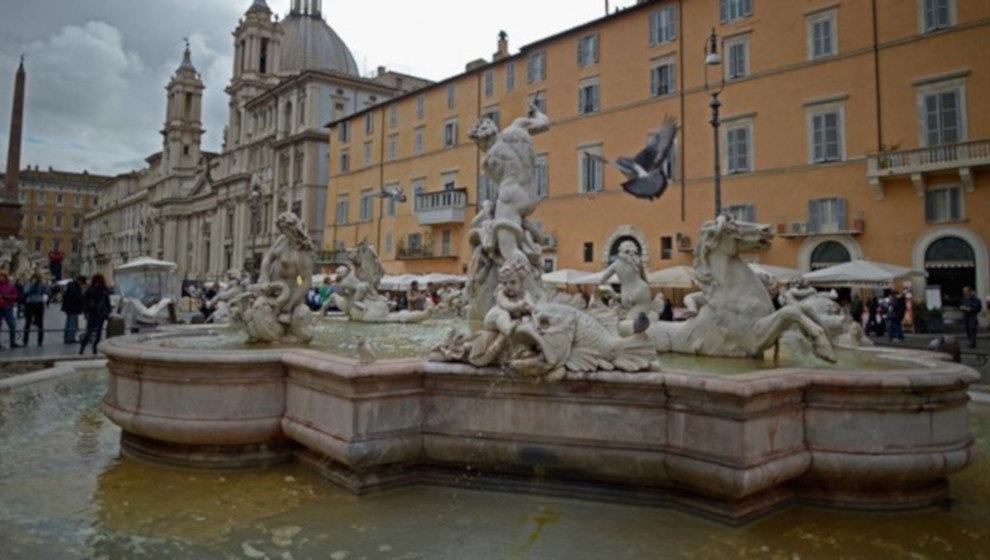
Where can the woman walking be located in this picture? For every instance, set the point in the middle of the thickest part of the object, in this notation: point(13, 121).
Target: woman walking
point(34, 307)
point(8, 305)
point(96, 306)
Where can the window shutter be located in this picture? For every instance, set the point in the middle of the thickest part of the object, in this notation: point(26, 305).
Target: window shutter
point(671, 24)
point(596, 97)
point(580, 52)
point(750, 213)
point(595, 46)
point(813, 215)
point(654, 27)
point(840, 213)
point(655, 81)
point(931, 119)
point(723, 15)
point(950, 117)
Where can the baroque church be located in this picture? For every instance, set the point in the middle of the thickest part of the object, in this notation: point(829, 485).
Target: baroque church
point(212, 212)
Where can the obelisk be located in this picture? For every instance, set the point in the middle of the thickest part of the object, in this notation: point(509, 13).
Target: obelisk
point(10, 204)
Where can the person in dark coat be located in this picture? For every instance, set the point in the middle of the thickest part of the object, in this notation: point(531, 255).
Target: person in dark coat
point(72, 306)
point(36, 294)
point(97, 307)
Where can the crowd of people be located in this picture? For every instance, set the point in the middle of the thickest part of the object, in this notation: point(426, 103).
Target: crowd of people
point(413, 299)
point(80, 296)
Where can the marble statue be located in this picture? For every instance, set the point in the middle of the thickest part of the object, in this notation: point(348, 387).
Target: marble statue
point(14, 257)
point(501, 232)
point(738, 318)
point(825, 310)
point(227, 304)
point(357, 290)
point(278, 310)
point(634, 297)
point(133, 310)
point(542, 340)
point(365, 354)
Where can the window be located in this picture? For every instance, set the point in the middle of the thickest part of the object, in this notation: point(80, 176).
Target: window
point(449, 134)
point(76, 222)
point(393, 115)
point(489, 83)
point(536, 70)
point(486, 188)
point(826, 136)
point(449, 180)
point(493, 114)
point(662, 77)
point(943, 205)
point(345, 161)
point(542, 176)
point(731, 10)
point(445, 242)
point(742, 212)
point(588, 96)
point(736, 57)
point(58, 222)
point(738, 152)
point(821, 34)
point(418, 188)
point(510, 76)
point(37, 243)
point(420, 106)
point(369, 123)
point(942, 117)
point(388, 242)
point(343, 209)
point(663, 25)
point(392, 148)
point(415, 241)
point(666, 247)
point(58, 200)
point(367, 153)
point(39, 219)
point(344, 131)
point(589, 252)
point(591, 171)
point(302, 109)
point(587, 50)
point(451, 96)
point(826, 215)
point(418, 135)
point(40, 197)
point(366, 206)
point(936, 14)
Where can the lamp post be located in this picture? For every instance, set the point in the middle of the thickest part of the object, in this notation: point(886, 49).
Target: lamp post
point(255, 200)
point(713, 59)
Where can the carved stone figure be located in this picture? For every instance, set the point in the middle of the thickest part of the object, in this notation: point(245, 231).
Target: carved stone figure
point(365, 354)
point(279, 308)
point(635, 295)
point(133, 310)
point(501, 233)
point(738, 317)
point(824, 309)
point(357, 290)
point(227, 304)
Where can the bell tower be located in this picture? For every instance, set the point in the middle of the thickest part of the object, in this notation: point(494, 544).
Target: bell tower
point(183, 119)
point(256, 57)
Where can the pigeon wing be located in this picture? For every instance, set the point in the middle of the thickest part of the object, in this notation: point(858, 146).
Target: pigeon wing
point(651, 186)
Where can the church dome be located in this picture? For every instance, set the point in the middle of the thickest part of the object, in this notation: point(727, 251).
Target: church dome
point(308, 43)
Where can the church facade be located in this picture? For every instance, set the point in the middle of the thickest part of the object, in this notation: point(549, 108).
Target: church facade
point(211, 212)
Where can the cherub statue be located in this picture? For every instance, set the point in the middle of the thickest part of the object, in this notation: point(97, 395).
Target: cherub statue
point(635, 296)
point(512, 303)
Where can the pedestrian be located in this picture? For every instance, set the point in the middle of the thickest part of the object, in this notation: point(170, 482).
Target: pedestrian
point(8, 302)
point(97, 307)
point(19, 285)
point(873, 325)
point(416, 299)
point(970, 306)
point(72, 306)
point(35, 294)
point(897, 308)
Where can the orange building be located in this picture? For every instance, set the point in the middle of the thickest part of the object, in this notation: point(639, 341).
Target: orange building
point(858, 129)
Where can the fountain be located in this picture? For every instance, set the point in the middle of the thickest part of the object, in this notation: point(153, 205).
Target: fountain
point(543, 397)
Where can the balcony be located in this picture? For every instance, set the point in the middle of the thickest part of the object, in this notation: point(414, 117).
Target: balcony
point(414, 253)
point(441, 207)
point(809, 229)
point(961, 157)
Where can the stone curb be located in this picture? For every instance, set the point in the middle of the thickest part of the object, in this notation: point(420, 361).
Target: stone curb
point(59, 370)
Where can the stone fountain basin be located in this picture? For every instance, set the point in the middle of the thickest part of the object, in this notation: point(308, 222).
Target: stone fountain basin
point(731, 447)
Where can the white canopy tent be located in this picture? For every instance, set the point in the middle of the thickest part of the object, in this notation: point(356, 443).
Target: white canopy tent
point(672, 277)
point(148, 280)
point(402, 282)
point(779, 273)
point(565, 276)
point(859, 274)
point(593, 279)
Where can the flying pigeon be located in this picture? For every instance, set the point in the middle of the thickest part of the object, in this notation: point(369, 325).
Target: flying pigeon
point(644, 173)
point(393, 192)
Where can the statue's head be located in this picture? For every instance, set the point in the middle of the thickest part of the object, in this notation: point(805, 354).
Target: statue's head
point(628, 251)
point(511, 275)
point(292, 227)
point(341, 272)
point(483, 130)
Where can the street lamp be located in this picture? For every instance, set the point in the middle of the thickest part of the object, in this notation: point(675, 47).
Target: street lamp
point(255, 200)
point(713, 59)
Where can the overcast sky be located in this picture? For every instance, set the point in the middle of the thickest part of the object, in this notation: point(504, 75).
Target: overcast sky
point(97, 69)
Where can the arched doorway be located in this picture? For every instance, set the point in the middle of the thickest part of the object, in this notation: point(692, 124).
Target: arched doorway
point(951, 264)
point(613, 250)
point(829, 253)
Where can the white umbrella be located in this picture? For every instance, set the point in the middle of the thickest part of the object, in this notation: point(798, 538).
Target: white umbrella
point(779, 273)
point(564, 276)
point(673, 277)
point(440, 278)
point(859, 273)
point(594, 279)
point(396, 283)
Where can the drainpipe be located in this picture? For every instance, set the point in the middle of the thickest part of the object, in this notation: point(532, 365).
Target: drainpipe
point(876, 77)
point(381, 179)
point(682, 155)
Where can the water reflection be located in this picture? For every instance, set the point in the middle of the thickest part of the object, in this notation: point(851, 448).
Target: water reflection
point(66, 493)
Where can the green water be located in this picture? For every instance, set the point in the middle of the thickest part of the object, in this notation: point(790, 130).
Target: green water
point(65, 492)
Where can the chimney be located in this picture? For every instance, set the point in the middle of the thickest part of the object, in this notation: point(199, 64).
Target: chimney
point(381, 71)
point(503, 46)
point(474, 64)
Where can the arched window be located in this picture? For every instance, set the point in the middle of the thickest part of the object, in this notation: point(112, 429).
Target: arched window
point(951, 265)
point(829, 253)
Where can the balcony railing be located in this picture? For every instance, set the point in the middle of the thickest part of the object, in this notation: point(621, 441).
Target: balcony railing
point(441, 207)
point(808, 229)
point(961, 156)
